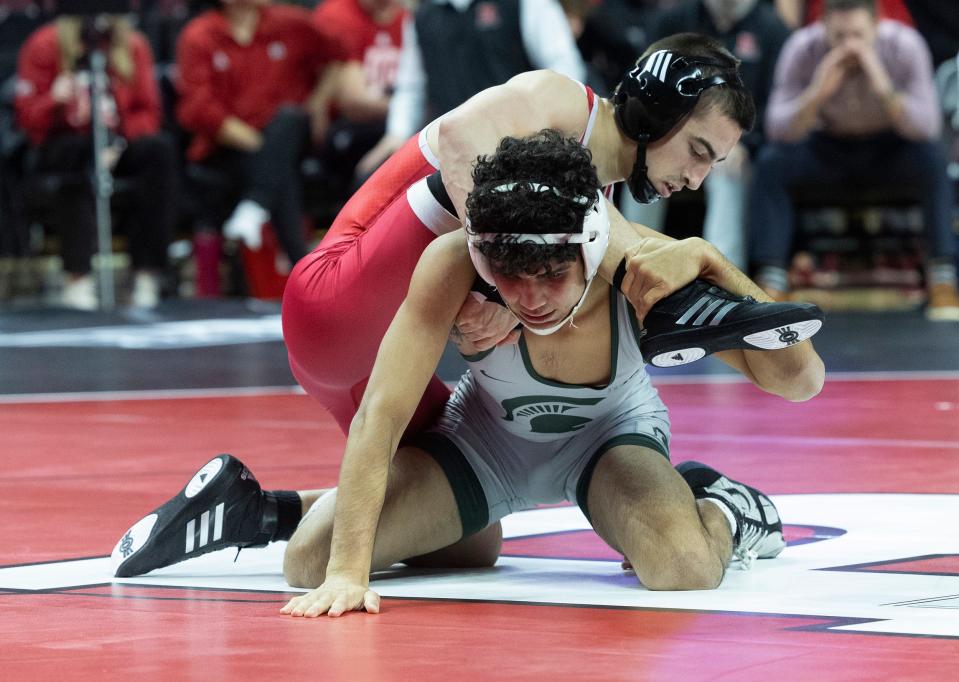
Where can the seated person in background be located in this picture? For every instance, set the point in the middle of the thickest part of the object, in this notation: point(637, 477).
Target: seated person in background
point(798, 13)
point(754, 33)
point(453, 49)
point(53, 106)
point(255, 82)
point(371, 31)
point(853, 104)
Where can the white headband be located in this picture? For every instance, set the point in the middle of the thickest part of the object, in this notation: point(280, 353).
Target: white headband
point(594, 239)
point(550, 239)
point(539, 188)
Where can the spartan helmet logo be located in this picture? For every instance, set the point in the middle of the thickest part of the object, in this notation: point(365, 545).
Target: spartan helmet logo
point(548, 413)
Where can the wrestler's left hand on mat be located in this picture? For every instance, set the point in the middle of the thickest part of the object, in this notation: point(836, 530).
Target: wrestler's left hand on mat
point(334, 597)
point(482, 324)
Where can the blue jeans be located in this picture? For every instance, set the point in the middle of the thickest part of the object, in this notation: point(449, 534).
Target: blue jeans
point(884, 160)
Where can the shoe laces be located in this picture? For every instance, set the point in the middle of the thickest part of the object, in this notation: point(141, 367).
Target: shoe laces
point(745, 552)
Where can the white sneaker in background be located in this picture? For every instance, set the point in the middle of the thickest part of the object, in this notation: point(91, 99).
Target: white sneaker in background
point(79, 293)
point(246, 224)
point(146, 290)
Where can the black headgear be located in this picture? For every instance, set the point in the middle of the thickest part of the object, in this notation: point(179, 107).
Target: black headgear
point(653, 98)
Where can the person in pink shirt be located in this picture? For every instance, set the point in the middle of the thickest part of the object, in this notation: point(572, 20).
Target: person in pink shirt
point(853, 105)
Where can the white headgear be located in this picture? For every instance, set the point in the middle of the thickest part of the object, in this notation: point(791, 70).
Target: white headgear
point(594, 239)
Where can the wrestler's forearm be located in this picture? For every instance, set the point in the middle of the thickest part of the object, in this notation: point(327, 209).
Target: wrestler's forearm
point(359, 499)
point(717, 269)
point(703, 258)
point(647, 267)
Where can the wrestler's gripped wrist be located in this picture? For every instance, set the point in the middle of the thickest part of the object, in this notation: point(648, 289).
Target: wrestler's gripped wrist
point(711, 261)
point(347, 571)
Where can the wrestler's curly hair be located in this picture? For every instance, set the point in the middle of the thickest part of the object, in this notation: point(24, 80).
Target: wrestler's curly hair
point(545, 158)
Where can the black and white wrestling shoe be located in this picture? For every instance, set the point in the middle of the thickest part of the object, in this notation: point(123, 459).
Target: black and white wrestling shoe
point(221, 506)
point(701, 319)
point(759, 532)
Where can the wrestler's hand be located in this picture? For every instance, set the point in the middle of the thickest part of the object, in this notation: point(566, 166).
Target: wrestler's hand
point(334, 597)
point(656, 268)
point(481, 325)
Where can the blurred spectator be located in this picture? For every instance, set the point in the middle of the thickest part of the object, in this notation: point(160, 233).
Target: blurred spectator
point(256, 82)
point(613, 33)
point(453, 49)
point(54, 108)
point(798, 13)
point(853, 105)
point(752, 31)
point(372, 32)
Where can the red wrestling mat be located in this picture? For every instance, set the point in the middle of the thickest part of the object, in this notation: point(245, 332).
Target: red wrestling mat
point(213, 636)
point(74, 475)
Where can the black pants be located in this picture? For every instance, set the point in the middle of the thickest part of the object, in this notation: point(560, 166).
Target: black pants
point(270, 177)
point(822, 160)
point(145, 202)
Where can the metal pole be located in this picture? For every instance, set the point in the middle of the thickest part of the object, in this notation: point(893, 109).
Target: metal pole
point(103, 180)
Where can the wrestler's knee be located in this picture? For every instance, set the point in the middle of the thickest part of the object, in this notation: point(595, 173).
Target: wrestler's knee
point(305, 559)
point(666, 559)
point(487, 545)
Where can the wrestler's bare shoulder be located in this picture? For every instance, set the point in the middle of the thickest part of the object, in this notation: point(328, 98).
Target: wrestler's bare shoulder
point(448, 256)
point(544, 83)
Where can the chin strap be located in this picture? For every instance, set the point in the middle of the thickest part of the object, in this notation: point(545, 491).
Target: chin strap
point(566, 320)
point(638, 182)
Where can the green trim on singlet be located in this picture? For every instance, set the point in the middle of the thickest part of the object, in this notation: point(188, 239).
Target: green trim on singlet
point(640, 439)
point(476, 357)
point(634, 323)
point(614, 352)
point(467, 491)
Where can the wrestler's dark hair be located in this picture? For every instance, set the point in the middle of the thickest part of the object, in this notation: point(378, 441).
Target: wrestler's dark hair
point(732, 99)
point(847, 5)
point(544, 158)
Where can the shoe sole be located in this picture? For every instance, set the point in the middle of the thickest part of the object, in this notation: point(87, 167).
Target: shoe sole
point(127, 550)
point(774, 333)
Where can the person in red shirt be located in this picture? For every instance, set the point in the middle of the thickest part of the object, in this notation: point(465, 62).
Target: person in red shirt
point(371, 31)
point(255, 79)
point(53, 107)
point(798, 13)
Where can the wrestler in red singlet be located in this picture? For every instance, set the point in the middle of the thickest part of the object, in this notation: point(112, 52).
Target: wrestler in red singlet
point(341, 298)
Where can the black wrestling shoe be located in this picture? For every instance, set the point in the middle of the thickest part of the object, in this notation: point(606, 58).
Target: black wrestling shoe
point(221, 506)
point(701, 319)
point(759, 532)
